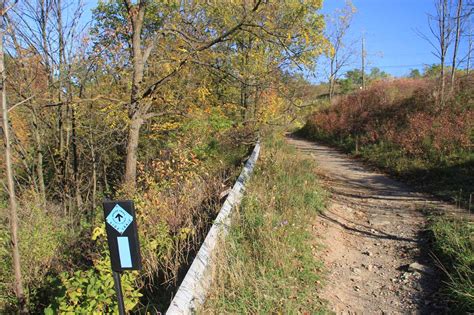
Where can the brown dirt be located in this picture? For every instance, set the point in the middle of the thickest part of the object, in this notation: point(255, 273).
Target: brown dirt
point(373, 228)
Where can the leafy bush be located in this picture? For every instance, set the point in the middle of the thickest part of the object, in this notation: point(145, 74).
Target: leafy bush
point(92, 291)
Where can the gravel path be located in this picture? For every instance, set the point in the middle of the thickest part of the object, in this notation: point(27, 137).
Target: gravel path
point(374, 241)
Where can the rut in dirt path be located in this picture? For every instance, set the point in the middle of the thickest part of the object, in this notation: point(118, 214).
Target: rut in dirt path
point(374, 243)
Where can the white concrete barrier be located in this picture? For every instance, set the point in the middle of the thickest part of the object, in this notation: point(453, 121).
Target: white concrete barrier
point(194, 288)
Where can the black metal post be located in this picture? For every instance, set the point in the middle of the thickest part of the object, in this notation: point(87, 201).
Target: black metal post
point(118, 289)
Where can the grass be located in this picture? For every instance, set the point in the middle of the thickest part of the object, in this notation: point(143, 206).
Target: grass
point(453, 245)
point(267, 263)
point(449, 178)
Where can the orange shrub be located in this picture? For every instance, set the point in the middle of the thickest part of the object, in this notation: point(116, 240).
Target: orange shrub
point(404, 112)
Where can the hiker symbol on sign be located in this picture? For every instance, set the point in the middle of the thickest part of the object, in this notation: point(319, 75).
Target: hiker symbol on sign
point(119, 219)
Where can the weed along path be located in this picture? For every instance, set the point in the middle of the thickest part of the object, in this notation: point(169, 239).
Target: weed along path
point(374, 242)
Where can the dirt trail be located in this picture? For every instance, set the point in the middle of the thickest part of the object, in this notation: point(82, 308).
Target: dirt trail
point(372, 231)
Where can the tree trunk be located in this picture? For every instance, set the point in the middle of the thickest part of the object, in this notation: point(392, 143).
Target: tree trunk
point(132, 150)
point(106, 181)
point(468, 65)
point(136, 121)
point(39, 155)
point(75, 158)
point(363, 63)
point(10, 177)
point(357, 144)
point(62, 113)
point(44, 16)
point(94, 184)
point(443, 81)
point(331, 79)
point(456, 43)
point(443, 47)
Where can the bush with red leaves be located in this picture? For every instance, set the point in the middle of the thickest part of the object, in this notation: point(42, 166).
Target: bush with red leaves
point(407, 113)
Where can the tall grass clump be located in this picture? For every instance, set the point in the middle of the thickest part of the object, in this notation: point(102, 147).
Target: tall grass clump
point(267, 263)
point(453, 245)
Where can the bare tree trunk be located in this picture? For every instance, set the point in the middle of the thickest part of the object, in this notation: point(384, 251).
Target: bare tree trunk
point(244, 99)
point(61, 77)
point(443, 29)
point(456, 43)
point(357, 144)
point(341, 54)
point(94, 181)
point(37, 180)
point(443, 80)
point(332, 78)
point(61, 111)
point(363, 63)
point(9, 173)
point(75, 158)
point(468, 65)
point(106, 181)
point(44, 16)
point(39, 154)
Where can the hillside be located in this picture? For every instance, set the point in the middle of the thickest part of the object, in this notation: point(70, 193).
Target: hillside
point(401, 127)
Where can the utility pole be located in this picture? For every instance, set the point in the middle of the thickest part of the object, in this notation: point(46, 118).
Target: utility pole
point(363, 62)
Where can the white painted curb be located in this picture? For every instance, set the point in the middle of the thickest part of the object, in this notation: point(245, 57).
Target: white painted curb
point(193, 290)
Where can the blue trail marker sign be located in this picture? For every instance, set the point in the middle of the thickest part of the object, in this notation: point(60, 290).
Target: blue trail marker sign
point(122, 235)
point(124, 247)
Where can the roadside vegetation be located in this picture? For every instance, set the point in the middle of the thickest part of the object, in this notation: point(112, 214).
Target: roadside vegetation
point(267, 263)
point(419, 129)
point(405, 128)
point(453, 246)
point(155, 101)
point(401, 126)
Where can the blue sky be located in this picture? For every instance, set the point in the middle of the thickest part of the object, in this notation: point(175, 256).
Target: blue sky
point(390, 28)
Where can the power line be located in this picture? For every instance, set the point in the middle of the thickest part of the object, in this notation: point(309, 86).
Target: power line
point(400, 66)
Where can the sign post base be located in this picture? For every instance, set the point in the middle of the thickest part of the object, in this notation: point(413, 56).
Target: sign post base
point(118, 289)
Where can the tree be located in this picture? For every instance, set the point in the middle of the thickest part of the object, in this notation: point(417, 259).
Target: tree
point(363, 55)
point(4, 8)
point(341, 53)
point(353, 78)
point(441, 29)
point(414, 74)
point(193, 36)
point(463, 23)
point(469, 50)
point(142, 44)
point(45, 39)
point(377, 74)
point(456, 42)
